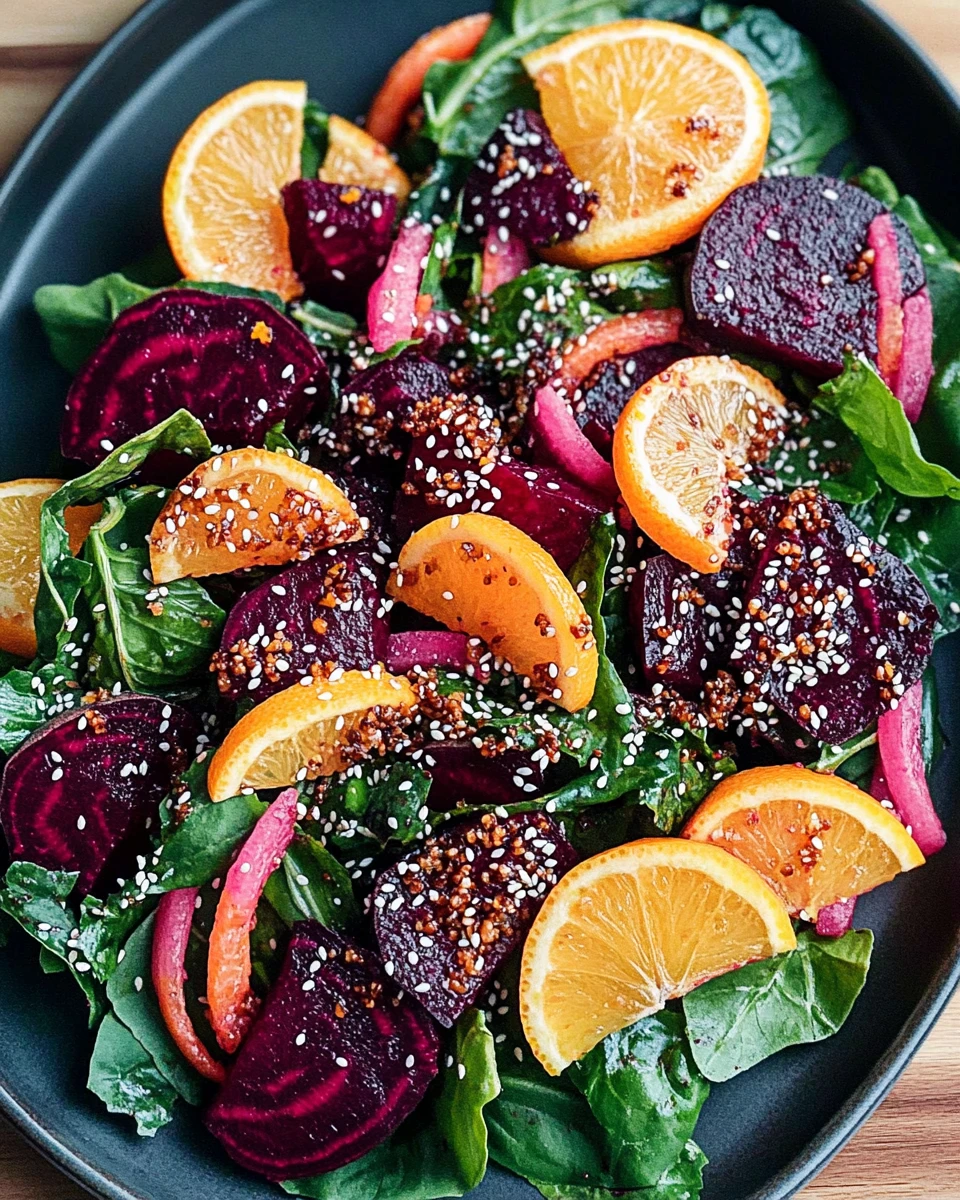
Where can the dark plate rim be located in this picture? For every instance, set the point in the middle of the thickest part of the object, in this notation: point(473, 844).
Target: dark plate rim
point(862, 1103)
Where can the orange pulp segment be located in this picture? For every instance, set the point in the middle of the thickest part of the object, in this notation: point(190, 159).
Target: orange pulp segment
point(353, 156)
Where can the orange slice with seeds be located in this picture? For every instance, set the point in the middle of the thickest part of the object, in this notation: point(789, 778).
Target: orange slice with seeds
point(221, 195)
point(248, 508)
point(815, 838)
point(353, 156)
point(317, 727)
point(662, 120)
point(680, 440)
point(628, 930)
point(480, 575)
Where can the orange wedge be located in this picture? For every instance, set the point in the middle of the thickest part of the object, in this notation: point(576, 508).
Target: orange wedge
point(221, 196)
point(680, 440)
point(663, 121)
point(480, 575)
point(353, 156)
point(815, 838)
point(248, 508)
point(632, 928)
point(20, 503)
point(314, 728)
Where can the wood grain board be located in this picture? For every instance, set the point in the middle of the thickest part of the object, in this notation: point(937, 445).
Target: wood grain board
point(910, 1149)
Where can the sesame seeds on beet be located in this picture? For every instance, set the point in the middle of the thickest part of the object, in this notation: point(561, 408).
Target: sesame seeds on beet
point(448, 914)
point(521, 184)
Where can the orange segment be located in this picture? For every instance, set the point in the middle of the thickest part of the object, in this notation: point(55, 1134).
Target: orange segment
point(20, 503)
point(680, 439)
point(314, 728)
point(814, 838)
point(221, 196)
point(353, 156)
point(639, 925)
point(663, 121)
point(480, 575)
point(248, 508)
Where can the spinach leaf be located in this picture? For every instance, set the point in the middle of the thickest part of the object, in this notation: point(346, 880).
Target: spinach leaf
point(278, 442)
point(638, 284)
point(76, 319)
point(434, 200)
point(29, 698)
point(646, 1091)
point(125, 1078)
point(36, 899)
point(925, 534)
point(682, 1180)
point(741, 1018)
point(316, 139)
point(324, 327)
point(310, 884)
point(819, 449)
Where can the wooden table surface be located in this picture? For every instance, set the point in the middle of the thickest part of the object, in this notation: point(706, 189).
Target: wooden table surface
point(911, 1147)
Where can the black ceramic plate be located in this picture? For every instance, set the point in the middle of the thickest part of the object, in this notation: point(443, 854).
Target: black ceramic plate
point(84, 199)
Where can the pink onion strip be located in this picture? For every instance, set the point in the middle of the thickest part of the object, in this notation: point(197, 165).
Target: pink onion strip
point(916, 362)
point(502, 260)
point(898, 739)
point(836, 919)
point(562, 443)
point(392, 300)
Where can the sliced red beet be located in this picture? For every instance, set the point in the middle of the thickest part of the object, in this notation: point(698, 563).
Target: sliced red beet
point(448, 914)
point(392, 301)
point(377, 400)
point(427, 648)
point(337, 1060)
point(783, 269)
point(522, 183)
point(80, 793)
point(916, 364)
point(836, 919)
point(903, 774)
point(558, 441)
point(340, 235)
point(504, 258)
point(327, 609)
point(235, 362)
point(463, 773)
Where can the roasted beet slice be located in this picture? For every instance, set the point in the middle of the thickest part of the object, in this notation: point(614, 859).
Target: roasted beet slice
point(235, 362)
point(376, 401)
point(835, 628)
point(327, 609)
point(608, 387)
point(83, 789)
point(335, 1063)
point(463, 773)
point(340, 236)
point(448, 914)
point(521, 184)
point(783, 269)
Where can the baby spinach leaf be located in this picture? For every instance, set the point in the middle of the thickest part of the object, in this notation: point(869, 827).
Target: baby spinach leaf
point(76, 318)
point(741, 1018)
point(925, 534)
point(325, 328)
point(316, 139)
point(646, 1091)
point(126, 1079)
point(277, 441)
point(311, 885)
point(682, 1180)
point(434, 200)
point(29, 698)
point(638, 284)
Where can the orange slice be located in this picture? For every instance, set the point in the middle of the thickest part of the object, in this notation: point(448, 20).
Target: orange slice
point(248, 508)
point(623, 933)
point(221, 196)
point(680, 439)
point(314, 728)
point(353, 156)
point(815, 838)
point(480, 575)
point(20, 503)
point(663, 121)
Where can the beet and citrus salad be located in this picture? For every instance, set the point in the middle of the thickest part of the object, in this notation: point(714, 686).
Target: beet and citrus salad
point(481, 652)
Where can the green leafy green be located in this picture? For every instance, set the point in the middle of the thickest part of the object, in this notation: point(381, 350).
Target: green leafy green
point(741, 1018)
point(76, 319)
point(638, 284)
point(681, 1181)
point(323, 326)
point(126, 1079)
point(311, 884)
point(277, 441)
point(316, 139)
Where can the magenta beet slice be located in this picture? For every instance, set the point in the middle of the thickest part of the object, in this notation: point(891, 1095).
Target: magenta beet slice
point(82, 791)
point(836, 919)
point(235, 362)
point(462, 903)
point(463, 774)
point(835, 628)
point(339, 239)
point(427, 648)
point(783, 270)
point(327, 609)
point(334, 1064)
point(556, 440)
point(608, 387)
point(377, 400)
point(522, 184)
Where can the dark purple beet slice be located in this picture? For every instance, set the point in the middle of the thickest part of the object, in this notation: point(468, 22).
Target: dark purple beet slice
point(608, 387)
point(834, 626)
point(521, 183)
point(375, 402)
point(462, 903)
point(235, 362)
point(337, 1060)
point(340, 235)
point(783, 270)
point(462, 774)
point(327, 609)
point(78, 792)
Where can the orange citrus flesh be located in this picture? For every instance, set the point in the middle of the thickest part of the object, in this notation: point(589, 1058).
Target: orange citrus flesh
point(20, 503)
point(663, 122)
point(353, 156)
point(316, 727)
point(632, 928)
point(221, 195)
point(680, 440)
point(248, 508)
point(815, 838)
point(480, 575)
